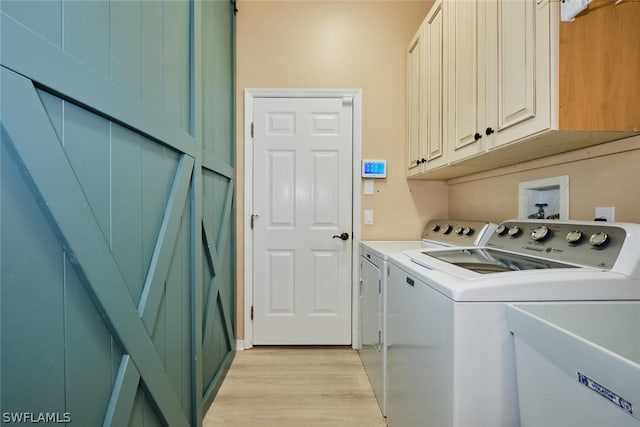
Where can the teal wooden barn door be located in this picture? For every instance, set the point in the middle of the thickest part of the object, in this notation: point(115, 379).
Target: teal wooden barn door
point(117, 284)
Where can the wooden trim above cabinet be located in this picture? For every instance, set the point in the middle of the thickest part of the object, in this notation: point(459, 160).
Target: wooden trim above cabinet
point(600, 68)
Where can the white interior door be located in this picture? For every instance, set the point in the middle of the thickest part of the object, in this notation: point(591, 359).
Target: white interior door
point(302, 200)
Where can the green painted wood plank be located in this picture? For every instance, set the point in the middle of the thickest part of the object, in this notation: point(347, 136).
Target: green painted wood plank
point(152, 54)
point(159, 334)
point(86, 33)
point(40, 16)
point(214, 164)
point(177, 75)
point(122, 400)
point(156, 276)
point(226, 315)
point(159, 166)
point(177, 309)
point(218, 80)
point(54, 107)
point(209, 317)
point(124, 45)
point(61, 199)
point(216, 295)
point(62, 73)
point(126, 208)
point(86, 141)
point(215, 384)
point(226, 221)
point(214, 197)
point(211, 250)
point(88, 362)
point(31, 314)
point(137, 412)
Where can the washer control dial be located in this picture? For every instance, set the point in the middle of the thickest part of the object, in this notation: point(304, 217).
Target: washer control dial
point(467, 231)
point(514, 231)
point(540, 233)
point(501, 229)
point(459, 229)
point(446, 229)
point(435, 227)
point(574, 236)
point(599, 239)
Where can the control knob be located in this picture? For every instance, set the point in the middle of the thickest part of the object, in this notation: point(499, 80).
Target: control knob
point(540, 233)
point(459, 229)
point(435, 227)
point(446, 229)
point(514, 231)
point(599, 239)
point(501, 229)
point(574, 236)
point(467, 231)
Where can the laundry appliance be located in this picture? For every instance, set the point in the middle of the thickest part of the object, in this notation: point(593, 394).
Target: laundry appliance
point(450, 353)
point(438, 233)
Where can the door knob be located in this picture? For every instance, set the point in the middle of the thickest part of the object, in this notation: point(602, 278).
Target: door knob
point(343, 236)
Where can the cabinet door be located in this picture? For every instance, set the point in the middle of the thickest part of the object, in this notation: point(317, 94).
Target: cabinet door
point(466, 46)
point(519, 101)
point(414, 103)
point(432, 128)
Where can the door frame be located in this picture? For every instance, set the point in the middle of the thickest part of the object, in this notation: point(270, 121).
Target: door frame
point(356, 99)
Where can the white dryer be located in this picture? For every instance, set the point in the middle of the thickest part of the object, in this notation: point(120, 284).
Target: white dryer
point(450, 353)
point(374, 255)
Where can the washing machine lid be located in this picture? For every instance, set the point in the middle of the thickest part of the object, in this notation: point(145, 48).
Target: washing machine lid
point(556, 283)
point(487, 261)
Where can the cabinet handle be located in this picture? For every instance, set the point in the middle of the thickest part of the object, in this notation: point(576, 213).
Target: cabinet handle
point(489, 131)
point(477, 136)
point(424, 160)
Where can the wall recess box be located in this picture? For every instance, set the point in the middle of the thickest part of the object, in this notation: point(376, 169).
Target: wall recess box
point(552, 191)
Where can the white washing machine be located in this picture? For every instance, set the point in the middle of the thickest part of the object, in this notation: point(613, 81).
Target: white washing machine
point(450, 353)
point(373, 287)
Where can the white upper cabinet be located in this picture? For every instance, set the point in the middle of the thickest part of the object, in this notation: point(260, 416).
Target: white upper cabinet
point(519, 85)
point(519, 70)
point(425, 95)
point(434, 88)
point(414, 104)
point(464, 38)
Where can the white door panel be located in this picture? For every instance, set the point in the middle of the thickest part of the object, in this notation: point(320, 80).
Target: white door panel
point(302, 192)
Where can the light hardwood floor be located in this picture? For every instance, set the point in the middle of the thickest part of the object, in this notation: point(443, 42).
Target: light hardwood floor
point(286, 387)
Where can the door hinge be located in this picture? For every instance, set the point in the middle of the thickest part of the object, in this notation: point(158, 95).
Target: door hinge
point(251, 129)
point(251, 312)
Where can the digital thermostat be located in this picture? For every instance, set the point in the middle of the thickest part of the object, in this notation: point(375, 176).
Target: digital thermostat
point(374, 168)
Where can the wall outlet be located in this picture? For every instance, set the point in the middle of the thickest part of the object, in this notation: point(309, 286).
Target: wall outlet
point(607, 213)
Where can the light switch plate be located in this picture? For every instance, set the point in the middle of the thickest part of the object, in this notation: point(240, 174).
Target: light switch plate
point(368, 187)
point(368, 217)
